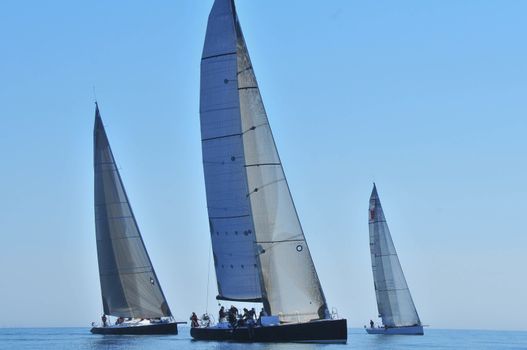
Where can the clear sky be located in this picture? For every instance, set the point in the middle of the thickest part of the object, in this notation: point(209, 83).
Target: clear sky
point(426, 98)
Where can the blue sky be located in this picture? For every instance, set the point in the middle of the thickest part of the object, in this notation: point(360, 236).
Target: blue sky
point(427, 99)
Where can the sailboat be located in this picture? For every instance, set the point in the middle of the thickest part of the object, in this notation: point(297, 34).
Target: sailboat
point(259, 249)
point(394, 301)
point(130, 289)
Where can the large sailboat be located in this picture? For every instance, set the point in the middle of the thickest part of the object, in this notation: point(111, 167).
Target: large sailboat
point(129, 285)
point(260, 252)
point(394, 301)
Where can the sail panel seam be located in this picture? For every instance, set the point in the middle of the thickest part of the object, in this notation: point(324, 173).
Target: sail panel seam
point(220, 137)
point(281, 241)
point(230, 217)
point(392, 290)
point(217, 109)
point(261, 164)
point(218, 55)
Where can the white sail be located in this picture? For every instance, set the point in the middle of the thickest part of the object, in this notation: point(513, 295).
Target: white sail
point(129, 284)
point(289, 283)
point(394, 302)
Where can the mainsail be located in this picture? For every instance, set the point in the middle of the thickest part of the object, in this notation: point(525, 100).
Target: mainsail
point(129, 285)
point(394, 302)
point(260, 252)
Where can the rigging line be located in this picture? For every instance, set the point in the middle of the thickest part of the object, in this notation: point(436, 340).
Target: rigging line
point(208, 283)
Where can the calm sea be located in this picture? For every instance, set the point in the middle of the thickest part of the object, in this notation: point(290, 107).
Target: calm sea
point(80, 338)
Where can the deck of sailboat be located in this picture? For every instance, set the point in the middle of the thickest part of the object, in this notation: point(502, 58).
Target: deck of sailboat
point(321, 331)
point(403, 330)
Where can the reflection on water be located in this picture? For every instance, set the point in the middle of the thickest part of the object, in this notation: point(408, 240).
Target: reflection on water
point(240, 346)
point(82, 339)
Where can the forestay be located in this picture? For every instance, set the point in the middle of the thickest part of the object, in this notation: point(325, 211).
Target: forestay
point(129, 284)
point(394, 302)
point(248, 179)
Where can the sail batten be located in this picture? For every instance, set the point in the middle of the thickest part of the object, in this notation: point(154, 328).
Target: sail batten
point(129, 285)
point(394, 301)
point(244, 177)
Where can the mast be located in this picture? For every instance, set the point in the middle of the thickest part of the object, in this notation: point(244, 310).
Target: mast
point(394, 301)
point(129, 284)
point(244, 177)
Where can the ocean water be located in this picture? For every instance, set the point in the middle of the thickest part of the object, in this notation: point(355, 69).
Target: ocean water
point(80, 338)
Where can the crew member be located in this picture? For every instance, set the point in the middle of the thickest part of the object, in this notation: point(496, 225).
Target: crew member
point(194, 320)
point(222, 314)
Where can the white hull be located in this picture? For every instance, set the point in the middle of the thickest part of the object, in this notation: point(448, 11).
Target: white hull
point(409, 330)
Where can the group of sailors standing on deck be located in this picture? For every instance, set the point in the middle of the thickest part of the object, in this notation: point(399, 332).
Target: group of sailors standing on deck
point(238, 319)
point(233, 317)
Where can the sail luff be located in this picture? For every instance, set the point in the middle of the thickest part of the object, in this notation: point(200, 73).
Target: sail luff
point(394, 301)
point(129, 284)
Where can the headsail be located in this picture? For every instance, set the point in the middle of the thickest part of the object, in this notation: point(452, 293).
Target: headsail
point(394, 302)
point(129, 285)
point(245, 178)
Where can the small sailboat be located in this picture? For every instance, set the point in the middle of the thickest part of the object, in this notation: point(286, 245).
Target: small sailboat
point(129, 285)
point(394, 301)
point(259, 248)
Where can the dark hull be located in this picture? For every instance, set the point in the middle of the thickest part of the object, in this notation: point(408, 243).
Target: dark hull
point(156, 328)
point(325, 331)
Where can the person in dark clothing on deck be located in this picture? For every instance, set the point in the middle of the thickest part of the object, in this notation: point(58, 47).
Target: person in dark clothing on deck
point(371, 324)
point(194, 320)
point(233, 315)
point(104, 319)
point(222, 314)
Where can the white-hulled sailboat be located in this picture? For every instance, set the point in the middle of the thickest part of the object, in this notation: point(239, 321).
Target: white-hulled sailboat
point(394, 301)
point(129, 285)
point(260, 252)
